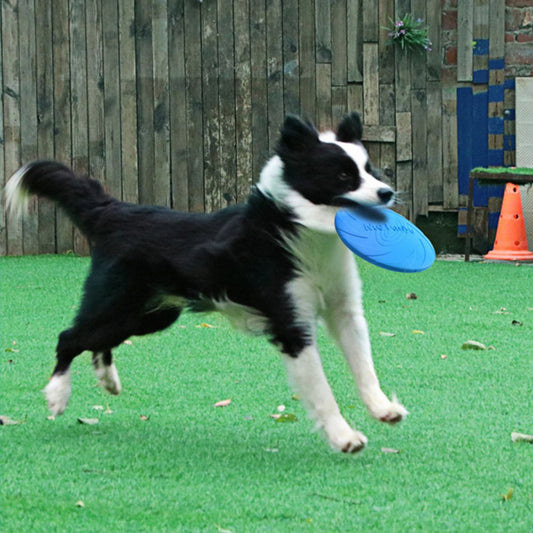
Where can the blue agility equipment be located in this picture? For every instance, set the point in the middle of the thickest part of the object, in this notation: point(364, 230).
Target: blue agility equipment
point(385, 238)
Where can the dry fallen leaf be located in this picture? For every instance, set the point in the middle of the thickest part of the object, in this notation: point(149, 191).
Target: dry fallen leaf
point(205, 325)
point(418, 332)
point(144, 418)
point(88, 421)
point(508, 496)
point(521, 437)
point(386, 334)
point(79, 503)
point(390, 450)
point(222, 403)
point(285, 417)
point(6, 421)
point(473, 345)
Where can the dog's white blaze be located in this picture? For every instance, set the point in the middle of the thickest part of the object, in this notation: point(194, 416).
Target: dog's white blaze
point(17, 199)
point(57, 393)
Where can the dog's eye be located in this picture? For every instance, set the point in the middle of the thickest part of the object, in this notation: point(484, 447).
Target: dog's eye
point(343, 176)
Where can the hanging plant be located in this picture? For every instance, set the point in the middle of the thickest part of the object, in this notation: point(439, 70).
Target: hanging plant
point(409, 34)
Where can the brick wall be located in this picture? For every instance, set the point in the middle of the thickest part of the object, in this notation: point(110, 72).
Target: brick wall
point(518, 39)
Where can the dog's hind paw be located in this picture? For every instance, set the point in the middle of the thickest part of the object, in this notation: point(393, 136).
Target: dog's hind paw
point(108, 379)
point(57, 393)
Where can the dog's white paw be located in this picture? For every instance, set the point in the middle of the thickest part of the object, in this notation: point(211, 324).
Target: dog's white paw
point(390, 412)
point(57, 393)
point(108, 379)
point(345, 439)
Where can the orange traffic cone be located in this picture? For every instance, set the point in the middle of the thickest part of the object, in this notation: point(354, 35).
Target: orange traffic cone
point(511, 241)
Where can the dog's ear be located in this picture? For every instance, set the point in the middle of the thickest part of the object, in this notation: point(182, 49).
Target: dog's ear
point(297, 135)
point(350, 129)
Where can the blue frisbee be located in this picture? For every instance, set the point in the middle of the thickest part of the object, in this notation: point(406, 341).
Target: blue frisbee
point(385, 238)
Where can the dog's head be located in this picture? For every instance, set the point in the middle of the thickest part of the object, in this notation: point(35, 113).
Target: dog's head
point(315, 173)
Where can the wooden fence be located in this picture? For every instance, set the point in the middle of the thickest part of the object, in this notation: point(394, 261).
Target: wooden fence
point(179, 102)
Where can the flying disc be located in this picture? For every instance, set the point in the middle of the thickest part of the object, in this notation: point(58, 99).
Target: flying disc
point(385, 238)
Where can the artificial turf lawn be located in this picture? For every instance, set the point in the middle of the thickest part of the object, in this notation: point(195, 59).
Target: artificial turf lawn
point(166, 460)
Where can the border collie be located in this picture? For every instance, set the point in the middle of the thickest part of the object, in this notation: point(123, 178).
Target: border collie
point(274, 266)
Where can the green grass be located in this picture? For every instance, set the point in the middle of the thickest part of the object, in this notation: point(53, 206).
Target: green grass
point(503, 170)
point(192, 467)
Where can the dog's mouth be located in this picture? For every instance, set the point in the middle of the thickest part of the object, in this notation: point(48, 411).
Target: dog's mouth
point(374, 213)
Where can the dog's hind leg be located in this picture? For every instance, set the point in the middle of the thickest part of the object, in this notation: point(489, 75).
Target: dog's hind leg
point(106, 371)
point(58, 390)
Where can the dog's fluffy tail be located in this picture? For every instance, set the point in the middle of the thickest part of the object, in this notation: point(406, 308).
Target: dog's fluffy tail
point(78, 196)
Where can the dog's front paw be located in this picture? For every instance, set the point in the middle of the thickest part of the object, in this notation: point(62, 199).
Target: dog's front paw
point(391, 412)
point(346, 439)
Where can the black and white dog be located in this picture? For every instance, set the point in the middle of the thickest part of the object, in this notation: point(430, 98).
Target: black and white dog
point(274, 266)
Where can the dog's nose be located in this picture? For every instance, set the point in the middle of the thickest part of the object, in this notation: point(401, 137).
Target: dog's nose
point(385, 195)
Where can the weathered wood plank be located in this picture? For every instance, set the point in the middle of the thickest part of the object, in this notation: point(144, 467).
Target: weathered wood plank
point(496, 29)
point(404, 148)
point(465, 37)
point(433, 57)
point(79, 102)
point(145, 101)
point(420, 183)
point(274, 70)
point(386, 54)
point(244, 98)
point(62, 111)
point(45, 122)
point(354, 22)
point(380, 134)
point(226, 104)
point(434, 143)
point(323, 96)
point(481, 36)
point(291, 66)
point(161, 119)
point(404, 187)
point(210, 106)
point(112, 96)
point(128, 102)
point(355, 98)
point(339, 57)
point(323, 31)
point(449, 148)
point(3, 227)
point(28, 114)
point(193, 70)
point(418, 58)
point(370, 8)
point(11, 115)
point(307, 59)
point(339, 104)
point(371, 83)
point(95, 89)
point(258, 71)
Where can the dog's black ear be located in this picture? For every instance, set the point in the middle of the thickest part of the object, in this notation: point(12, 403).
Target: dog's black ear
point(350, 129)
point(297, 135)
